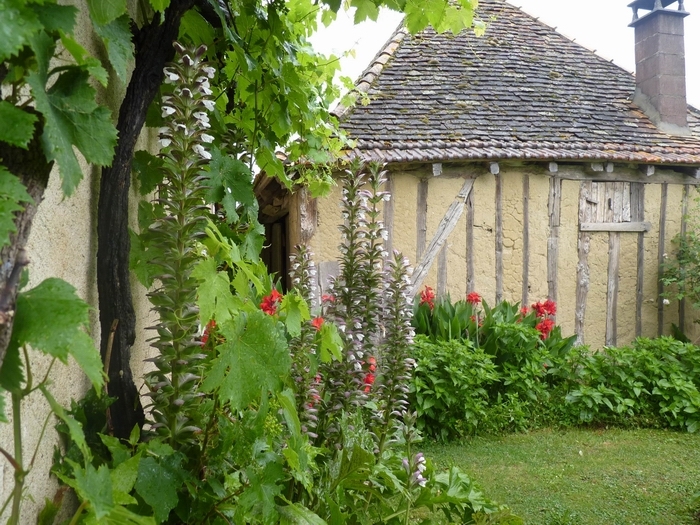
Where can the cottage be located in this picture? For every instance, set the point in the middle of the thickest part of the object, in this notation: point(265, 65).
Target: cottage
point(524, 166)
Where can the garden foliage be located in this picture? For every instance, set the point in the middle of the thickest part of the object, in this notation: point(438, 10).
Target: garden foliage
point(489, 370)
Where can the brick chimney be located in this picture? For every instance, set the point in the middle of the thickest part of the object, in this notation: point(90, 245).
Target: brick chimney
point(660, 57)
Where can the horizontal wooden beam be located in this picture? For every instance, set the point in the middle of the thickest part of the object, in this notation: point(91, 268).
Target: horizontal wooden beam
point(667, 176)
point(615, 227)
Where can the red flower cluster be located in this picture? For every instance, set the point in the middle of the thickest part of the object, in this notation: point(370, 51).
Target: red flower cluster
point(207, 330)
point(370, 377)
point(427, 296)
point(473, 298)
point(271, 302)
point(524, 311)
point(545, 308)
point(327, 298)
point(544, 327)
point(317, 323)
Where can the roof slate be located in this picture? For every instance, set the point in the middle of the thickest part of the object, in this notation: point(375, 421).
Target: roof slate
point(521, 91)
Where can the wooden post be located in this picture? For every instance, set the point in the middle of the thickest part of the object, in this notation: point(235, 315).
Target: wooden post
point(421, 217)
point(389, 215)
point(447, 224)
point(582, 269)
point(554, 209)
point(526, 239)
point(303, 215)
point(470, 243)
point(499, 237)
point(662, 248)
point(637, 214)
point(442, 272)
point(613, 286)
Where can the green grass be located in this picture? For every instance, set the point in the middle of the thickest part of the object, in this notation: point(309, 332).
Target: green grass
point(585, 477)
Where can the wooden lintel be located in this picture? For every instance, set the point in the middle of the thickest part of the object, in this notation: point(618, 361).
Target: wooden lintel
point(615, 227)
point(494, 168)
point(659, 177)
point(437, 169)
point(553, 167)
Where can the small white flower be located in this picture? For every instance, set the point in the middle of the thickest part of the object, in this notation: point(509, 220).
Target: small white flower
point(387, 197)
point(207, 138)
point(164, 142)
point(209, 71)
point(205, 91)
point(665, 255)
point(209, 104)
point(666, 302)
point(164, 131)
point(170, 76)
point(198, 148)
point(167, 111)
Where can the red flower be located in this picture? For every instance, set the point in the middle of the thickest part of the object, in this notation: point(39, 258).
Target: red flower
point(369, 381)
point(544, 327)
point(427, 296)
point(205, 336)
point(317, 322)
point(327, 298)
point(270, 302)
point(544, 308)
point(524, 311)
point(473, 298)
point(372, 363)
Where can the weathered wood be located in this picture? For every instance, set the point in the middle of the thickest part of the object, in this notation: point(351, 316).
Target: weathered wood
point(442, 272)
point(499, 238)
point(447, 224)
point(421, 217)
point(303, 216)
point(494, 168)
point(389, 214)
point(613, 286)
point(662, 243)
point(471, 278)
point(276, 255)
point(437, 169)
point(637, 215)
point(667, 176)
point(526, 239)
point(684, 229)
point(582, 269)
point(615, 227)
point(554, 209)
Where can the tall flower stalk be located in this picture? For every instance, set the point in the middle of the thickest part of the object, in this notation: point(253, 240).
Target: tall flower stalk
point(180, 219)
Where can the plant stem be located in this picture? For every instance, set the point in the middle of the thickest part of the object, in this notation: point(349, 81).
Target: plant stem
point(19, 471)
point(78, 512)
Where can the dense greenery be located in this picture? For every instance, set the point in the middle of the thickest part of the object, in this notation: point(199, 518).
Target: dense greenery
point(505, 369)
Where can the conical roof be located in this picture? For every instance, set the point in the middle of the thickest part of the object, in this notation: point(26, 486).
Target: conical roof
point(520, 91)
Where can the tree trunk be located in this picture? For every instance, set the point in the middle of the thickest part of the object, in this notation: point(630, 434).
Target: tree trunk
point(153, 50)
point(32, 169)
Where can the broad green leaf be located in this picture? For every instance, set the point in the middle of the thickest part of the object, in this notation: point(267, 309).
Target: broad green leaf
point(331, 343)
point(95, 487)
point(434, 11)
point(265, 487)
point(17, 24)
point(297, 514)
point(157, 484)
point(104, 11)
point(289, 411)
point(297, 311)
point(214, 298)
point(365, 9)
point(72, 117)
point(119, 451)
point(12, 193)
point(120, 516)
point(253, 358)
point(11, 372)
point(148, 170)
point(75, 429)
point(50, 318)
point(83, 58)
point(117, 36)
point(196, 28)
point(3, 416)
point(17, 125)
point(56, 17)
point(159, 5)
point(123, 480)
point(416, 18)
point(230, 183)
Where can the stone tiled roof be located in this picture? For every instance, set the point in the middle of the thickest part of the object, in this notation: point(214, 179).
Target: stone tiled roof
point(521, 91)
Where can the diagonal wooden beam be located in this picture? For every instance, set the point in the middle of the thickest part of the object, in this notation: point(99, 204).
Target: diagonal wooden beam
point(447, 224)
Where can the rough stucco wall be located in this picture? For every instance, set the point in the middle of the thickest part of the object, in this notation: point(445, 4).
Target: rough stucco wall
point(327, 238)
point(674, 214)
point(568, 256)
point(512, 198)
point(627, 290)
point(652, 200)
point(485, 237)
point(405, 196)
point(539, 233)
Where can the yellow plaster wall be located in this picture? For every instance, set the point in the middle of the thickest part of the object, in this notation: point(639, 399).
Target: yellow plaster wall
point(512, 196)
point(652, 200)
point(485, 237)
point(627, 289)
point(404, 234)
point(539, 233)
point(568, 256)
point(327, 238)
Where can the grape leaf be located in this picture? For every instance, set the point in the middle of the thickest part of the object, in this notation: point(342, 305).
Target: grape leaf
point(416, 18)
point(17, 25)
point(72, 117)
point(17, 125)
point(230, 183)
point(298, 514)
point(75, 428)
point(157, 484)
point(365, 9)
point(104, 11)
point(12, 193)
point(56, 17)
point(296, 311)
point(123, 479)
point(253, 358)
point(159, 5)
point(11, 375)
point(83, 58)
point(331, 343)
point(50, 318)
point(214, 299)
point(116, 36)
point(147, 168)
point(95, 487)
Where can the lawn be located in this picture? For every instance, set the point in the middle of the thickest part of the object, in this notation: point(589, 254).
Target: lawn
point(580, 477)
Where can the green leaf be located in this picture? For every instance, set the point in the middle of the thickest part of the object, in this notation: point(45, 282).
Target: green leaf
point(72, 117)
point(3, 416)
point(121, 516)
point(157, 484)
point(12, 193)
point(117, 36)
point(95, 487)
point(17, 24)
point(296, 311)
point(50, 318)
point(253, 358)
point(197, 29)
point(159, 5)
point(85, 59)
point(416, 19)
point(17, 125)
point(230, 183)
point(297, 514)
point(104, 11)
point(75, 429)
point(11, 375)
point(148, 170)
point(289, 411)
point(365, 9)
point(214, 296)
point(331, 343)
point(123, 480)
point(56, 17)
